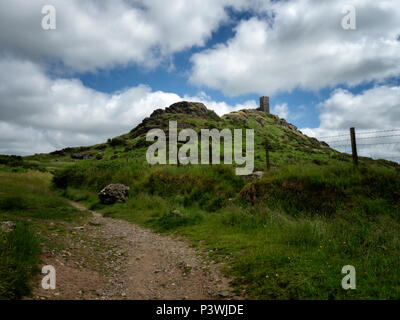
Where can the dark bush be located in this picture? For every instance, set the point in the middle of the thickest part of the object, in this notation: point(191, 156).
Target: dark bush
point(116, 142)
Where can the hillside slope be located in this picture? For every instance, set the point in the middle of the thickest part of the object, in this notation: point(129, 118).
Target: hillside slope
point(288, 145)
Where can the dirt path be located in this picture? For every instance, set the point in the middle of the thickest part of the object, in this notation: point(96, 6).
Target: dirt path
point(113, 259)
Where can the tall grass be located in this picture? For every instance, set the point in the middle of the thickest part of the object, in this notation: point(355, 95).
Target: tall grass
point(208, 187)
point(27, 199)
point(327, 190)
point(19, 256)
point(286, 236)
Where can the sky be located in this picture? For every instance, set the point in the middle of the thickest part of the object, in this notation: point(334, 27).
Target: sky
point(108, 64)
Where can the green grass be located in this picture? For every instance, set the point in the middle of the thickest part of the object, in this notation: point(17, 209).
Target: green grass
point(28, 195)
point(302, 257)
point(328, 189)
point(26, 199)
point(19, 257)
point(171, 220)
point(286, 236)
point(210, 187)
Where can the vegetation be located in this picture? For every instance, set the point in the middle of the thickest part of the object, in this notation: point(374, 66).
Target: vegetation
point(26, 199)
point(19, 256)
point(17, 164)
point(286, 236)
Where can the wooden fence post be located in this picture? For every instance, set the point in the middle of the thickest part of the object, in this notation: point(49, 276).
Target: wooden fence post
point(354, 146)
point(267, 155)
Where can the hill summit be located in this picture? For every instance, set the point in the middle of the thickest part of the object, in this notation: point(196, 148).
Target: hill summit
point(287, 144)
point(194, 109)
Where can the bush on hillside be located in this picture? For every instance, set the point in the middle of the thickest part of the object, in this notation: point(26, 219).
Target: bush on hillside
point(323, 191)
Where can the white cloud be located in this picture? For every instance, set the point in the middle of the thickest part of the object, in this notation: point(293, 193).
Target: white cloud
point(304, 47)
point(40, 114)
point(281, 110)
point(94, 34)
point(220, 108)
point(376, 109)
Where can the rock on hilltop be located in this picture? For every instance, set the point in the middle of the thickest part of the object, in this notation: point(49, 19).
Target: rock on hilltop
point(193, 109)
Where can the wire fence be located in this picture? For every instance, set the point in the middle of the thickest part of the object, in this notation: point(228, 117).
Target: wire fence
point(377, 144)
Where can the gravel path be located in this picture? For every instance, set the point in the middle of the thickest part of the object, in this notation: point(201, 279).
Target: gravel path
point(135, 264)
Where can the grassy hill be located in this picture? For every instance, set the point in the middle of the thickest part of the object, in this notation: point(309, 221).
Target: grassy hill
point(285, 236)
point(287, 144)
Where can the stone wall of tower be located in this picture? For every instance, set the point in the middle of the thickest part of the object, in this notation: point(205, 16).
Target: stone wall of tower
point(264, 104)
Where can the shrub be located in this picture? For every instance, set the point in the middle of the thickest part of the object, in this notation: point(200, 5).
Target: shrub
point(323, 191)
point(116, 142)
point(209, 187)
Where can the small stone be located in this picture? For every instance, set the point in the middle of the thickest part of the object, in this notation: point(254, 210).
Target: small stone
point(223, 294)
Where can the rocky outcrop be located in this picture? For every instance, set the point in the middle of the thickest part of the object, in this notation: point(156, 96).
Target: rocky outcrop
point(194, 109)
point(101, 146)
point(160, 117)
point(283, 123)
point(114, 193)
point(62, 152)
point(80, 156)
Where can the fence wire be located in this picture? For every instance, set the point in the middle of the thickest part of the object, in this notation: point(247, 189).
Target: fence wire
point(364, 149)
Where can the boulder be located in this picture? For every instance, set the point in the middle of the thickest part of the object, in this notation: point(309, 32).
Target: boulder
point(114, 193)
point(7, 226)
